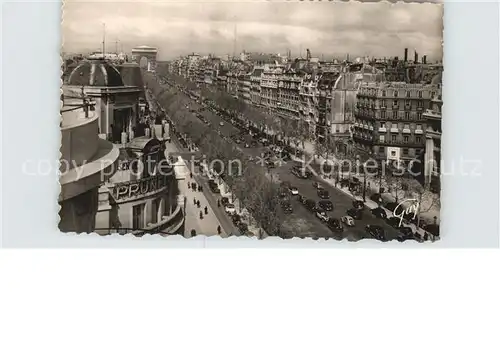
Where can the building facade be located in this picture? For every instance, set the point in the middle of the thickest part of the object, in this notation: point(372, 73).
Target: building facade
point(86, 162)
point(389, 122)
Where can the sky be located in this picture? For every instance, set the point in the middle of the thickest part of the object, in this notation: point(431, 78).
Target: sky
point(180, 27)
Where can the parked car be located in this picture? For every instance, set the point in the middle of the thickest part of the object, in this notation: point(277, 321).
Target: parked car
point(323, 194)
point(294, 190)
point(322, 215)
point(310, 205)
point(325, 205)
point(335, 225)
point(215, 189)
point(224, 201)
point(221, 124)
point(376, 197)
point(391, 206)
point(376, 232)
point(302, 199)
point(358, 204)
point(379, 213)
point(230, 209)
point(356, 214)
point(348, 220)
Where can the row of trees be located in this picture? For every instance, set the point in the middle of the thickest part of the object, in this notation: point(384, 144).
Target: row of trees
point(246, 180)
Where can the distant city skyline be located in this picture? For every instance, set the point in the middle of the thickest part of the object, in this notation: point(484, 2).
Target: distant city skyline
point(179, 28)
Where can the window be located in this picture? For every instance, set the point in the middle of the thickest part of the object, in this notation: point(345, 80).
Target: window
point(393, 137)
point(405, 151)
point(393, 153)
point(138, 217)
point(154, 210)
point(383, 103)
point(420, 103)
point(433, 94)
point(381, 149)
point(382, 138)
point(383, 93)
point(405, 139)
point(419, 127)
point(407, 126)
point(420, 94)
point(408, 93)
point(395, 103)
point(395, 93)
point(395, 114)
point(382, 114)
point(418, 140)
point(407, 103)
point(419, 115)
point(407, 115)
point(382, 125)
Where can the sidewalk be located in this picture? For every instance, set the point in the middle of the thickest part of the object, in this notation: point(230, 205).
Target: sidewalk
point(206, 226)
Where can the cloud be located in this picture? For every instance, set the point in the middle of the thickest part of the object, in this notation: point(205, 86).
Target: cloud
point(180, 27)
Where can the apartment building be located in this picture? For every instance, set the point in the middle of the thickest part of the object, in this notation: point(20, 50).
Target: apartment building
point(308, 95)
point(289, 83)
point(269, 87)
point(255, 78)
point(389, 122)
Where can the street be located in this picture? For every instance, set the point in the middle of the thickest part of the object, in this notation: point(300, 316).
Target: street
point(301, 220)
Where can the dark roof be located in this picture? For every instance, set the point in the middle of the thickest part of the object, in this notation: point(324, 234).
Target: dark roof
point(98, 73)
point(132, 76)
point(257, 72)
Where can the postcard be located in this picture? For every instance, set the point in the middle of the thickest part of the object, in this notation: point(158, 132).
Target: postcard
point(313, 120)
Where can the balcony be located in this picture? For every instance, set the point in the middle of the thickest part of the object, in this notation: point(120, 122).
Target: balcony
point(419, 131)
point(394, 130)
point(406, 131)
point(382, 130)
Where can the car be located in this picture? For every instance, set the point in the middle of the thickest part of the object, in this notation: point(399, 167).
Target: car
point(230, 209)
point(326, 205)
point(302, 199)
point(236, 218)
point(376, 232)
point(379, 212)
point(356, 214)
point(310, 205)
point(391, 206)
point(358, 204)
point(335, 225)
point(376, 198)
point(286, 207)
point(406, 230)
point(215, 189)
point(322, 215)
point(394, 222)
point(323, 194)
point(224, 201)
point(348, 220)
point(221, 124)
point(294, 190)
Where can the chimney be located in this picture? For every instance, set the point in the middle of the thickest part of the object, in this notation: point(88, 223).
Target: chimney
point(416, 57)
point(424, 59)
point(406, 54)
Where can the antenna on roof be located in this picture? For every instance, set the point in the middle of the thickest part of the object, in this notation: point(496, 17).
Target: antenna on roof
point(104, 40)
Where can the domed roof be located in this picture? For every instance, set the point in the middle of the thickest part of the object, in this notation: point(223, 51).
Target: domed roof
point(99, 73)
point(437, 79)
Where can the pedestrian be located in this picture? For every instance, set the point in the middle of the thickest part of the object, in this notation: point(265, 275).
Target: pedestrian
point(189, 185)
point(218, 203)
point(206, 210)
point(194, 200)
point(198, 203)
point(201, 215)
point(191, 175)
point(219, 230)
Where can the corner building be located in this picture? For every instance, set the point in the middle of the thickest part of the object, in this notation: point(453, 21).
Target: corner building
point(389, 122)
point(86, 162)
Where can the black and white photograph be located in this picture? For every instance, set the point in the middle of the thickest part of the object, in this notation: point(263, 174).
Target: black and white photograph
point(311, 120)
